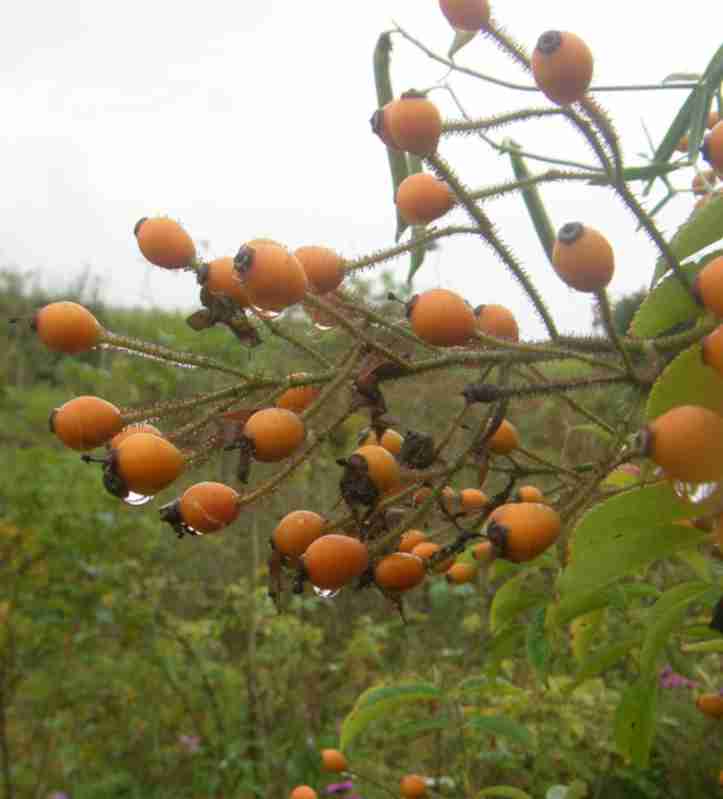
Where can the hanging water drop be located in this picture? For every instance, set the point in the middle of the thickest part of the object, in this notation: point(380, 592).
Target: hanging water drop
point(325, 593)
point(136, 500)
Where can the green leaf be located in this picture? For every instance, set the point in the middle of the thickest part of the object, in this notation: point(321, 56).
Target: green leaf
point(538, 647)
point(501, 726)
point(461, 39)
point(703, 228)
point(385, 94)
point(686, 381)
point(511, 599)
point(599, 661)
point(503, 645)
point(698, 116)
point(676, 131)
point(697, 562)
point(667, 305)
point(533, 200)
point(417, 729)
point(713, 645)
point(667, 613)
point(583, 633)
point(379, 703)
point(618, 537)
point(635, 721)
point(505, 792)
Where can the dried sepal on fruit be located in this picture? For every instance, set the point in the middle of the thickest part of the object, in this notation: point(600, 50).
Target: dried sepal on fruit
point(421, 198)
point(583, 257)
point(686, 442)
point(332, 561)
point(164, 242)
point(562, 66)
point(86, 422)
point(520, 531)
point(466, 15)
point(441, 317)
point(67, 327)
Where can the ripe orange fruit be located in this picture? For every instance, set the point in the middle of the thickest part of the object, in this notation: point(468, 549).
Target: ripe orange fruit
point(220, 277)
point(382, 467)
point(333, 560)
point(460, 573)
point(164, 242)
point(207, 507)
point(426, 549)
point(687, 443)
point(498, 321)
point(712, 350)
point(272, 277)
point(296, 531)
point(562, 66)
point(709, 285)
point(129, 430)
point(713, 119)
point(303, 792)
point(520, 531)
point(422, 198)
point(466, 15)
point(410, 539)
point(85, 422)
point(505, 439)
point(472, 500)
point(67, 327)
point(530, 494)
point(323, 267)
point(412, 123)
point(298, 398)
point(333, 760)
point(712, 149)
point(484, 552)
point(710, 705)
point(583, 257)
point(275, 433)
point(441, 317)
point(391, 440)
point(399, 571)
point(412, 786)
point(147, 463)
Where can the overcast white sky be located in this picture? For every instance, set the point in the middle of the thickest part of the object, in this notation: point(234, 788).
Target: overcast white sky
point(250, 119)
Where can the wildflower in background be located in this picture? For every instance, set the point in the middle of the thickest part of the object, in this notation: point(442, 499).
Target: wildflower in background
point(191, 743)
point(339, 789)
point(671, 679)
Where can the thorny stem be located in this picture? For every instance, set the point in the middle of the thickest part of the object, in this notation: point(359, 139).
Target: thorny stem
point(607, 320)
point(350, 361)
point(144, 348)
point(486, 229)
point(378, 257)
point(455, 67)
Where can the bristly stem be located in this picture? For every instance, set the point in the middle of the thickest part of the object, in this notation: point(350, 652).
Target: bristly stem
point(488, 233)
point(607, 319)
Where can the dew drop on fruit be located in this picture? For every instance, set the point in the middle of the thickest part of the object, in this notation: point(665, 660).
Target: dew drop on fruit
point(325, 593)
point(136, 500)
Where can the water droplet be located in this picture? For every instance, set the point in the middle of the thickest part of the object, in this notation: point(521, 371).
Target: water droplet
point(325, 593)
point(136, 500)
point(323, 328)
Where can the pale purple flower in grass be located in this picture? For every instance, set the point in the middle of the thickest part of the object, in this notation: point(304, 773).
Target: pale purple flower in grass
point(670, 679)
point(339, 788)
point(191, 743)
